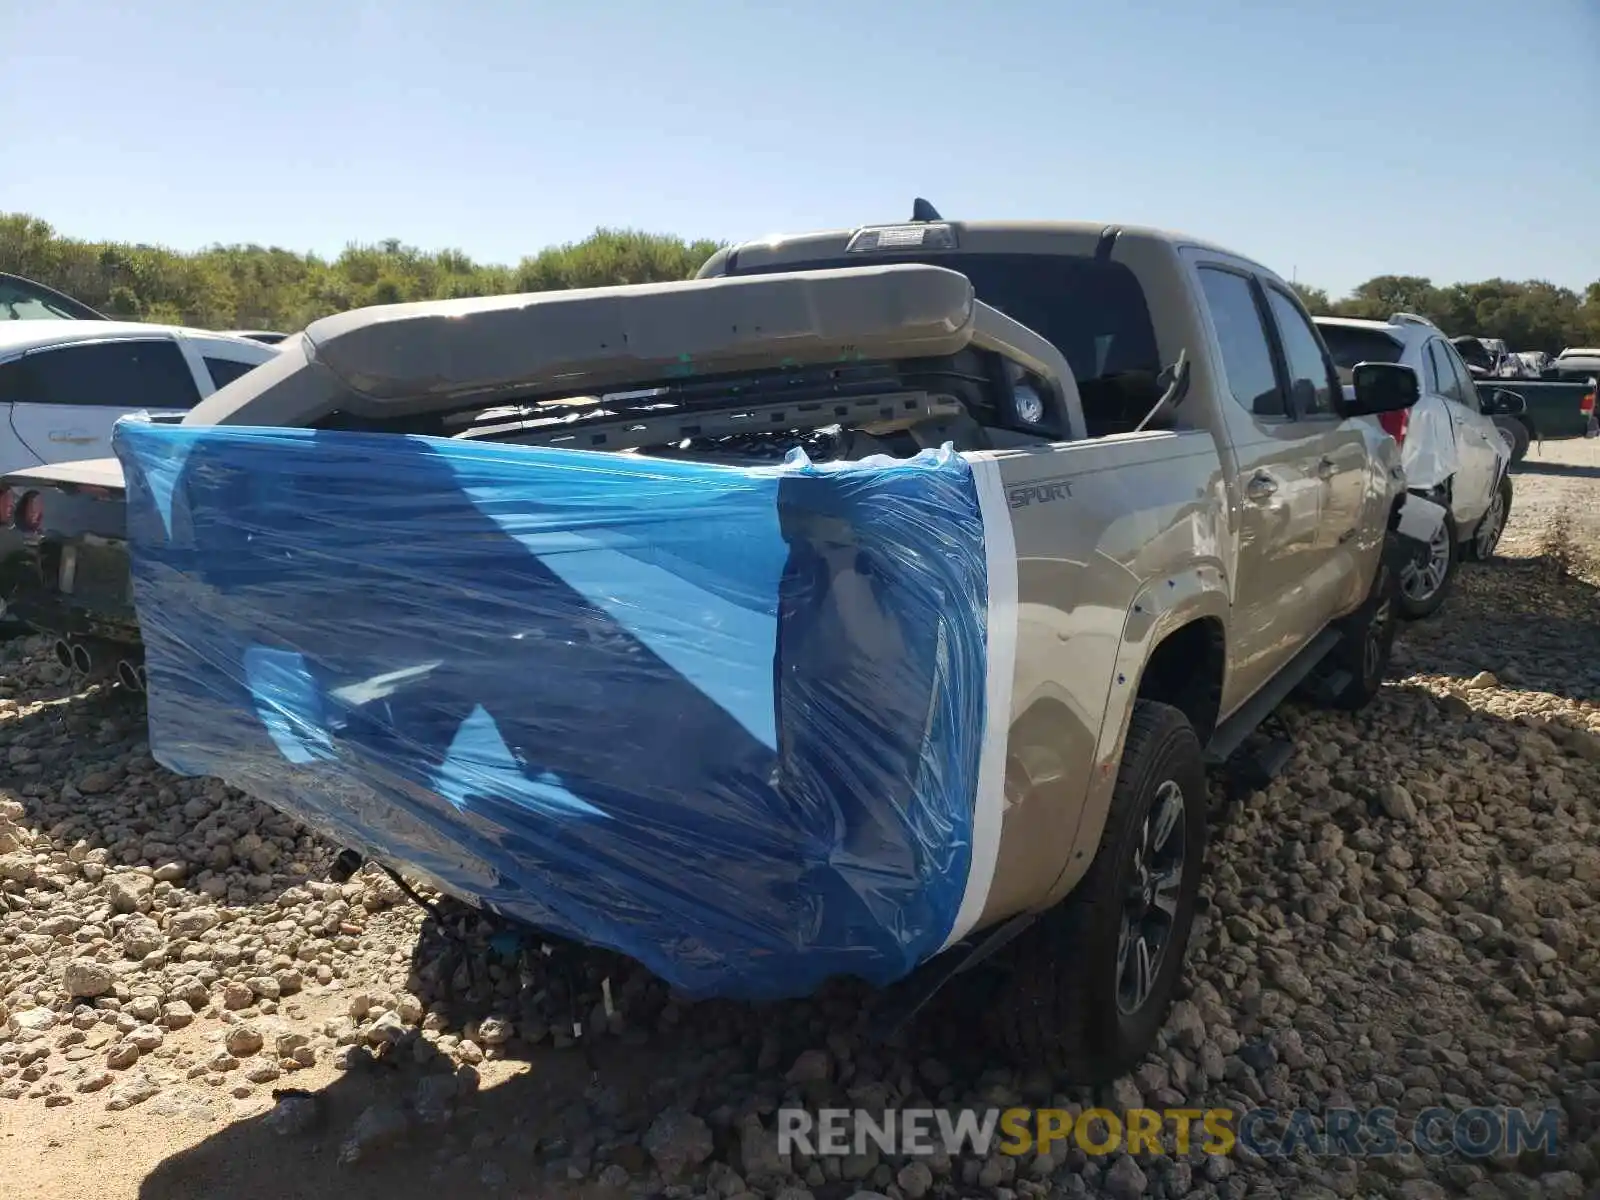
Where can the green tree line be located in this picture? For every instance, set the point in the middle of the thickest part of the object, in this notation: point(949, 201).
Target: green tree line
point(1526, 314)
point(267, 287)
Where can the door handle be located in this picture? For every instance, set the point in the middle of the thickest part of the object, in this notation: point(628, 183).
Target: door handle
point(1261, 487)
point(1325, 469)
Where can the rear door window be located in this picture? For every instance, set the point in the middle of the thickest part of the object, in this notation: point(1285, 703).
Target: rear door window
point(1466, 391)
point(1246, 348)
point(1310, 383)
point(1441, 364)
point(126, 375)
point(1438, 381)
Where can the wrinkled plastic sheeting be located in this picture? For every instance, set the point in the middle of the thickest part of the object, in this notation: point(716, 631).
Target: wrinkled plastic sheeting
point(725, 721)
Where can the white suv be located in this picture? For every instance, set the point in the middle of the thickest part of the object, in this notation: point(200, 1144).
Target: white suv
point(1452, 452)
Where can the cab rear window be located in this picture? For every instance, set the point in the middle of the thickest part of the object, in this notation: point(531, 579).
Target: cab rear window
point(1093, 312)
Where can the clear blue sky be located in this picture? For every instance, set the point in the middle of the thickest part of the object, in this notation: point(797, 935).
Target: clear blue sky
point(1334, 139)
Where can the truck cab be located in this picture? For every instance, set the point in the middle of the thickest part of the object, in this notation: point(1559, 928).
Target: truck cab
point(1300, 481)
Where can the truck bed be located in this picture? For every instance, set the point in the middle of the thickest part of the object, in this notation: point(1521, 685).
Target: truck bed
point(841, 365)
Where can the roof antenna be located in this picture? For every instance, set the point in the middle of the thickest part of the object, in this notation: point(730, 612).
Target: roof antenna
point(921, 210)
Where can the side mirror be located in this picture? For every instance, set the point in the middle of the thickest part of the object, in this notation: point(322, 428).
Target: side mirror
point(1380, 387)
point(1501, 403)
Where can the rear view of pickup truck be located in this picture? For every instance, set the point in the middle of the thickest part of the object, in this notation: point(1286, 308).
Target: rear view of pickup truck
point(873, 604)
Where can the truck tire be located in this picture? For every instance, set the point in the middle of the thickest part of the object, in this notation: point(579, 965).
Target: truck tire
point(1367, 635)
point(1080, 998)
point(1487, 536)
point(1425, 578)
point(1520, 437)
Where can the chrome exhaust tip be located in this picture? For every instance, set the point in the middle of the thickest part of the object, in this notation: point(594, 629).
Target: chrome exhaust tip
point(130, 674)
point(90, 659)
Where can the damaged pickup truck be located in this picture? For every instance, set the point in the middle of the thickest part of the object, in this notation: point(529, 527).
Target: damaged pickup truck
point(871, 605)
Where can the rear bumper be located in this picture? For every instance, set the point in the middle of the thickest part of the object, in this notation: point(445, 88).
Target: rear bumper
point(100, 605)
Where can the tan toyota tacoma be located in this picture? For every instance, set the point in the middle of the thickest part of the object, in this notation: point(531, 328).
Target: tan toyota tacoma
point(1214, 533)
point(1186, 520)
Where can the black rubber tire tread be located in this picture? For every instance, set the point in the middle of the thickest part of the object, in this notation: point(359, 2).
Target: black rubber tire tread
point(1058, 1007)
point(1506, 493)
point(1413, 611)
point(1350, 654)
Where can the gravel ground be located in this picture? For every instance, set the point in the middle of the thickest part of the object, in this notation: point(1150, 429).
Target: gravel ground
point(1407, 916)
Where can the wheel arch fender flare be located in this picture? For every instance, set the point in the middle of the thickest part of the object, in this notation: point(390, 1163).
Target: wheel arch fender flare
point(1195, 597)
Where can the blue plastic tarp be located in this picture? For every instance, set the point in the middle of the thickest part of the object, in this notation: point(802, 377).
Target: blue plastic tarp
point(725, 721)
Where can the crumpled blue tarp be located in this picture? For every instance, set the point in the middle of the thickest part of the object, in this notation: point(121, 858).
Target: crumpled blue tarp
point(725, 721)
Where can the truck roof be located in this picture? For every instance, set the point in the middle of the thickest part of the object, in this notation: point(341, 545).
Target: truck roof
point(1001, 237)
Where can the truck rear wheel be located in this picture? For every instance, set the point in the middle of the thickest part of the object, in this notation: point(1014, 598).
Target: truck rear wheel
point(1091, 981)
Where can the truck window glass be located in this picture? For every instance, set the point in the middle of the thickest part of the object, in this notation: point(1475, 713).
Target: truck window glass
point(130, 375)
point(1308, 369)
point(1350, 346)
point(224, 370)
point(1246, 353)
point(1093, 312)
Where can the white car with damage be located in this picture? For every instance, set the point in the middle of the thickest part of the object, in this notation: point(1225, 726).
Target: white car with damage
point(1453, 453)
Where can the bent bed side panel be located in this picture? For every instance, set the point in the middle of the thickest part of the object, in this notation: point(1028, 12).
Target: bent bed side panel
point(725, 721)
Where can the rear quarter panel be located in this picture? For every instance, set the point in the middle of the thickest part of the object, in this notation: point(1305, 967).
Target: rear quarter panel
point(1118, 541)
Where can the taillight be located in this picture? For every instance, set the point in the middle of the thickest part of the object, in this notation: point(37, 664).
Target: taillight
point(1395, 424)
point(30, 513)
point(8, 507)
point(1586, 405)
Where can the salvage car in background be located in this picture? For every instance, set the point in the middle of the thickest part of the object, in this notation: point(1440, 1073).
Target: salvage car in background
point(63, 384)
point(1452, 449)
point(1158, 521)
point(1561, 401)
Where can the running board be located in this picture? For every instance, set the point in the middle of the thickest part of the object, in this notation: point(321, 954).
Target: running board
point(1230, 735)
point(1248, 771)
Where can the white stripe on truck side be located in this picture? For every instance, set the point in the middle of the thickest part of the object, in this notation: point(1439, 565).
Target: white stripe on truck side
point(1000, 554)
